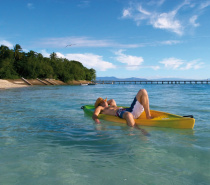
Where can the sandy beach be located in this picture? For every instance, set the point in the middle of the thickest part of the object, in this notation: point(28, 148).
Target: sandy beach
point(6, 84)
point(17, 83)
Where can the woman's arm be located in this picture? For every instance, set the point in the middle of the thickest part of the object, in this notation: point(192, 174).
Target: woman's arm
point(96, 113)
point(112, 102)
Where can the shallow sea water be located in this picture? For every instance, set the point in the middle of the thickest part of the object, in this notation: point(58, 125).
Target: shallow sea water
point(45, 138)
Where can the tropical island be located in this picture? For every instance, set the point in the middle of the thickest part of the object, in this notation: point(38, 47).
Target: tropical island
point(15, 63)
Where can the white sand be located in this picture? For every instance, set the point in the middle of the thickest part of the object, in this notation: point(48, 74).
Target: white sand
point(5, 84)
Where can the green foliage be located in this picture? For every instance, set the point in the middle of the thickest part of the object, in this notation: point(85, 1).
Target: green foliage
point(15, 64)
point(7, 69)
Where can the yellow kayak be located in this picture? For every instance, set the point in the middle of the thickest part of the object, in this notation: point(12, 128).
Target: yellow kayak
point(160, 119)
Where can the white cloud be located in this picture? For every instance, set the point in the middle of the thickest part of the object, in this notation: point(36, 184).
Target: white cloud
point(167, 21)
point(89, 60)
point(176, 20)
point(25, 50)
point(195, 64)
point(193, 21)
point(60, 55)
point(77, 42)
point(44, 53)
point(170, 42)
point(126, 13)
point(172, 63)
point(178, 64)
point(204, 4)
point(6, 43)
point(62, 42)
point(133, 62)
point(141, 10)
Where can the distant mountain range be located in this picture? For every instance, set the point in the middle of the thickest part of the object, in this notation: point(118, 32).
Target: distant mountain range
point(112, 78)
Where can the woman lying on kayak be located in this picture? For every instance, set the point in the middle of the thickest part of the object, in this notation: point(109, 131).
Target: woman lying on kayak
point(139, 104)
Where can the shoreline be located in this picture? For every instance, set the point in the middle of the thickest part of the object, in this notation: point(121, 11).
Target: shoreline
point(19, 83)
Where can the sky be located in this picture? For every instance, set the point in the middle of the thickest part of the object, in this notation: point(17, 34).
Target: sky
point(122, 38)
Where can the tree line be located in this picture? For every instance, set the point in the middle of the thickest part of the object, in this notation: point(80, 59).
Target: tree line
point(14, 63)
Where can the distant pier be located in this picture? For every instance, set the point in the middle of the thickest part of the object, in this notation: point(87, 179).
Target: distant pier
point(153, 82)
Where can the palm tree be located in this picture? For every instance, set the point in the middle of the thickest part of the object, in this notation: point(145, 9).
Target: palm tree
point(32, 54)
point(17, 52)
point(53, 56)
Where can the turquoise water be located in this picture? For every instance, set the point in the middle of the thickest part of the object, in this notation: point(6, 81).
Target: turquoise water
point(45, 138)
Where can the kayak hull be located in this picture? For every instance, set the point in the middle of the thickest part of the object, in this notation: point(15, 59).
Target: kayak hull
point(160, 119)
